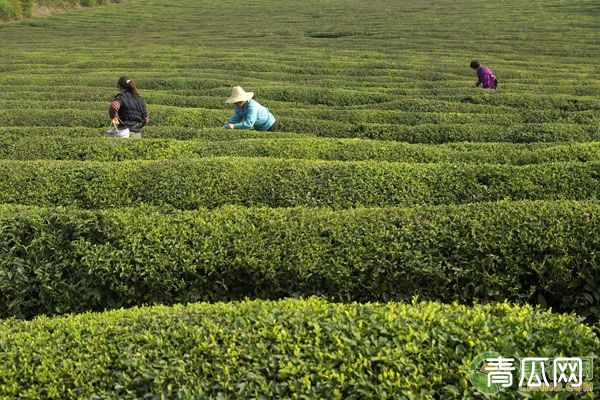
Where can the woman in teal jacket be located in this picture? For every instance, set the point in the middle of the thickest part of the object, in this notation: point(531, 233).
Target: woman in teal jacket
point(249, 114)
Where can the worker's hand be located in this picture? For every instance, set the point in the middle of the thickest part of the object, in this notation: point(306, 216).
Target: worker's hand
point(115, 120)
point(230, 126)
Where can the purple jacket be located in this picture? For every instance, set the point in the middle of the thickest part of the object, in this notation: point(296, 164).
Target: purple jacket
point(486, 78)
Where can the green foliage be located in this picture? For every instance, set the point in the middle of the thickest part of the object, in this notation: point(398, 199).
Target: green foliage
point(342, 76)
point(74, 3)
point(15, 145)
point(10, 9)
point(17, 9)
point(410, 126)
point(348, 80)
point(212, 134)
point(61, 260)
point(285, 349)
point(27, 6)
point(189, 184)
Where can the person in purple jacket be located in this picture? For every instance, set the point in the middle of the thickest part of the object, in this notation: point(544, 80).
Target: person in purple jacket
point(485, 76)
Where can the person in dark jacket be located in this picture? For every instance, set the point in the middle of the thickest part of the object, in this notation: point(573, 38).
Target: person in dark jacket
point(128, 109)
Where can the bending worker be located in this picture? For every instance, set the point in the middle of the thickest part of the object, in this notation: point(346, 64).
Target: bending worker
point(128, 109)
point(249, 114)
point(485, 76)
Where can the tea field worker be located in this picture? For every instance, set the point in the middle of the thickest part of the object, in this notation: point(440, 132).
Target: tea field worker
point(128, 109)
point(485, 76)
point(249, 114)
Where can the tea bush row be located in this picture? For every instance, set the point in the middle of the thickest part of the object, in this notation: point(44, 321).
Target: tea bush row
point(429, 133)
point(447, 133)
point(56, 260)
point(201, 117)
point(94, 101)
point(303, 84)
point(277, 349)
point(418, 118)
point(18, 147)
point(500, 102)
point(12, 97)
point(9, 135)
point(212, 182)
point(186, 81)
point(75, 3)
point(174, 119)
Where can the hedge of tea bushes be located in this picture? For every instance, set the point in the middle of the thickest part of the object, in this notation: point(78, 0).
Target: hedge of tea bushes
point(445, 133)
point(329, 122)
point(407, 109)
point(434, 117)
point(55, 117)
point(200, 117)
point(98, 117)
point(212, 182)
point(106, 149)
point(33, 106)
point(162, 86)
point(57, 260)
point(321, 86)
point(155, 93)
point(276, 349)
point(428, 133)
point(416, 127)
point(10, 135)
point(559, 93)
point(388, 111)
point(74, 3)
point(498, 102)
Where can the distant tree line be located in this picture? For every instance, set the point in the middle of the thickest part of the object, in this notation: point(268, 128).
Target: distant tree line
point(18, 9)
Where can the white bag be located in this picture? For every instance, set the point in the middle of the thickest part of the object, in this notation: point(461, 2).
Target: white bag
point(115, 132)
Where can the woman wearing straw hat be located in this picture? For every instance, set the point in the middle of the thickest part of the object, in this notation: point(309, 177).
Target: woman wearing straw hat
point(249, 114)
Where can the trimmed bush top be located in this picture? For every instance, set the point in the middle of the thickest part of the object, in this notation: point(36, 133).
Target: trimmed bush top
point(213, 182)
point(17, 147)
point(284, 349)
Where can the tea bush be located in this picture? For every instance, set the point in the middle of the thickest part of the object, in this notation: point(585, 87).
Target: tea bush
point(16, 146)
point(213, 182)
point(284, 349)
point(59, 260)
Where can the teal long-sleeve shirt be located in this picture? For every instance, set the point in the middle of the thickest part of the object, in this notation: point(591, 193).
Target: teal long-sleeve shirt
point(252, 115)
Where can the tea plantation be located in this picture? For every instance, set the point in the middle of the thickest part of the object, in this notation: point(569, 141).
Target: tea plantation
point(400, 222)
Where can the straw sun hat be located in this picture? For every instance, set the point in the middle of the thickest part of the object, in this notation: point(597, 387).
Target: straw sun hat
point(239, 94)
